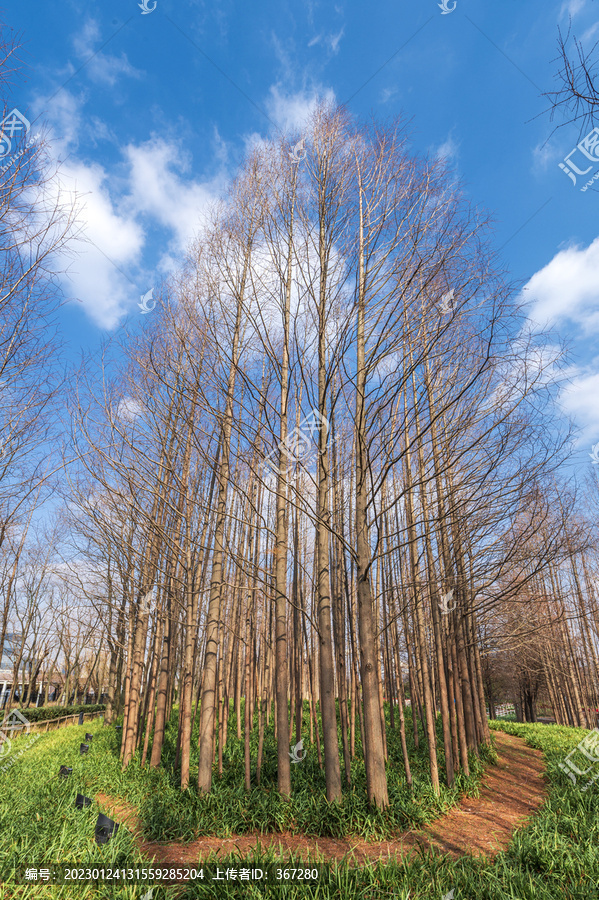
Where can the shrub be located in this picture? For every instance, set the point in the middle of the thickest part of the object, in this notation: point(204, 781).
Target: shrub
point(45, 713)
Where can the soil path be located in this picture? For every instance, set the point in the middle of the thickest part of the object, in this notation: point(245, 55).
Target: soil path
point(510, 792)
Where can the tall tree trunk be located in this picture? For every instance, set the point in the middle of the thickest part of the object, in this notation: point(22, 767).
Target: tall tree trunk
point(374, 757)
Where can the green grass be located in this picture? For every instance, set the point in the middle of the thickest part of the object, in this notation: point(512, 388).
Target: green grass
point(229, 809)
point(555, 856)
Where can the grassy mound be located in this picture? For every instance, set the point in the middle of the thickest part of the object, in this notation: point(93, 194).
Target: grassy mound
point(556, 855)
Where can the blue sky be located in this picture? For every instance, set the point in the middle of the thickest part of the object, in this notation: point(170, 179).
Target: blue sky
point(150, 114)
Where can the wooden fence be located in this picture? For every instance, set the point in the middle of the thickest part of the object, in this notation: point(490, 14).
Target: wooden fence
point(51, 724)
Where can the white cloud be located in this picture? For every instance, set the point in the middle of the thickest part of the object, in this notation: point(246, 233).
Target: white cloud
point(111, 240)
point(289, 113)
point(292, 112)
point(329, 40)
point(387, 93)
point(580, 400)
point(590, 34)
point(159, 190)
point(549, 153)
point(448, 150)
point(149, 187)
point(113, 243)
point(334, 40)
point(117, 215)
point(101, 67)
point(567, 288)
point(63, 112)
point(572, 7)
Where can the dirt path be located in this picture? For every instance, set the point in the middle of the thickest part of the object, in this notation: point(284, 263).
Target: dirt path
point(510, 793)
